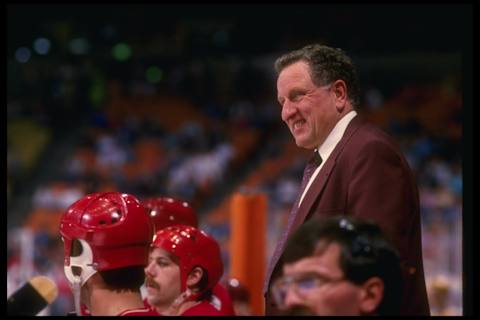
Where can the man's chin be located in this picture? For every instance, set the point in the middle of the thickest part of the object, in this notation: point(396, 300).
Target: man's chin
point(152, 294)
point(152, 301)
point(303, 144)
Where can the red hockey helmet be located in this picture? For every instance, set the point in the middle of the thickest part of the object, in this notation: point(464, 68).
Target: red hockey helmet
point(194, 248)
point(113, 229)
point(166, 212)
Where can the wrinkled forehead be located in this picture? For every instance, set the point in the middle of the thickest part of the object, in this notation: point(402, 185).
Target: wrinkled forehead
point(298, 72)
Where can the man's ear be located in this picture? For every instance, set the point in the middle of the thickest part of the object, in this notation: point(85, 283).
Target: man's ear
point(194, 277)
point(371, 296)
point(339, 89)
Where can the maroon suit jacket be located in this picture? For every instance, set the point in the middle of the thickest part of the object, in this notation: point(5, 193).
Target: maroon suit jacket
point(367, 176)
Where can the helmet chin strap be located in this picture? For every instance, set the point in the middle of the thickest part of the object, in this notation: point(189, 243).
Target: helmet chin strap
point(87, 267)
point(76, 289)
point(184, 297)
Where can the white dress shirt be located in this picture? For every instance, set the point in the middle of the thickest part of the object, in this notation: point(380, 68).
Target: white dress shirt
point(328, 145)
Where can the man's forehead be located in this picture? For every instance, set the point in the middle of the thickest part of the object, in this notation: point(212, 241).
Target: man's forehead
point(325, 259)
point(325, 246)
point(159, 253)
point(295, 70)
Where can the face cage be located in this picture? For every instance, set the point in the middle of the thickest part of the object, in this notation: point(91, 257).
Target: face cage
point(87, 267)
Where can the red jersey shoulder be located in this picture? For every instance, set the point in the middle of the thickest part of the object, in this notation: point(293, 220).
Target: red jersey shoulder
point(225, 302)
point(204, 308)
point(139, 312)
point(146, 304)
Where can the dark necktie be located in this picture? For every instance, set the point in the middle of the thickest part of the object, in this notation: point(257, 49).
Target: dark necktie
point(310, 168)
point(312, 164)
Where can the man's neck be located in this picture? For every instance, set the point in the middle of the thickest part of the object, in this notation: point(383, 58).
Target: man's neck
point(170, 310)
point(111, 303)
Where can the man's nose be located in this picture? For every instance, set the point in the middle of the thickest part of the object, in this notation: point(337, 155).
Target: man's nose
point(288, 110)
point(148, 269)
point(292, 299)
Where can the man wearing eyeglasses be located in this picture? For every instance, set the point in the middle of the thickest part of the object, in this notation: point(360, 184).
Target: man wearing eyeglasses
point(339, 266)
point(356, 168)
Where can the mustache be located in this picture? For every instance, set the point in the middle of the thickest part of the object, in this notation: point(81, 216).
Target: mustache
point(149, 282)
point(298, 311)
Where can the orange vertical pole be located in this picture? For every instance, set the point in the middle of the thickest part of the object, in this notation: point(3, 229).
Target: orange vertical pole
point(238, 237)
point(247, 244)
point(258, 235)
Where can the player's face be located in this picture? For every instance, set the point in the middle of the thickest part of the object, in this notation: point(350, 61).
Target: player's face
point(162, 279)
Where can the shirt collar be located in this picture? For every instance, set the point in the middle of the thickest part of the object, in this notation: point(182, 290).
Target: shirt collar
point(335, 135)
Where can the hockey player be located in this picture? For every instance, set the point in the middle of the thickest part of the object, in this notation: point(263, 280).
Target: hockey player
point(167, 211)
point(106, 241)
point(184, 266)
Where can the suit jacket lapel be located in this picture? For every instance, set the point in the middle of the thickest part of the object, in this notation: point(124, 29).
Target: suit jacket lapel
point(320, 180)
point(313, 193)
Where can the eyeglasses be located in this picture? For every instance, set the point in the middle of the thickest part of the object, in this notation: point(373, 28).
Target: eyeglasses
point(302, 286)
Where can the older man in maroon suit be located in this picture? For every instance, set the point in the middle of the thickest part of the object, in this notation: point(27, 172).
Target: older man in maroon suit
point(356, 169)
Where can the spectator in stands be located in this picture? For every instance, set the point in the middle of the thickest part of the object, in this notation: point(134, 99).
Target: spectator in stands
point(339, 266)
point(109, 153)
point(439, 292)
point(355, 167)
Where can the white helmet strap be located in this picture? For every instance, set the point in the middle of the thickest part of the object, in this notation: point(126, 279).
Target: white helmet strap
point(87, 267)
point(76, 289)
